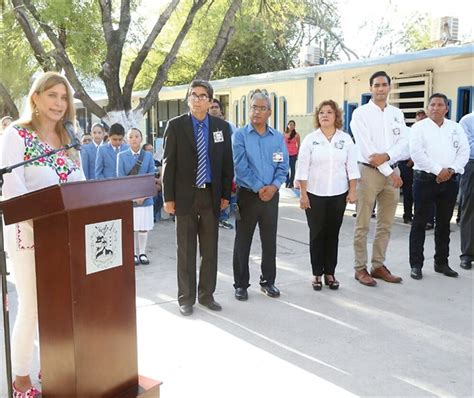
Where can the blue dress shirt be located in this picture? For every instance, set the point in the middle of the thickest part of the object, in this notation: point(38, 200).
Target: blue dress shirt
point(206, 140)
point(467, 123)
point(259, 159)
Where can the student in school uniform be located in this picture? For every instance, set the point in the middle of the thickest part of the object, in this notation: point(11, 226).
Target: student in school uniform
point(136, 161)
point(106, 161)
point(89, 150)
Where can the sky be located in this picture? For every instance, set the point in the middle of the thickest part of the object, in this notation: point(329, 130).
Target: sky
point(355, 12)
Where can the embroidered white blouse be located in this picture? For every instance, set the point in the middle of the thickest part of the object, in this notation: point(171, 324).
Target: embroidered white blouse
point(327, 166)
point(20, 144)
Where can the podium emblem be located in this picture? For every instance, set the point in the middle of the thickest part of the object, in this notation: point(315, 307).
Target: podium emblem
point(103, 246)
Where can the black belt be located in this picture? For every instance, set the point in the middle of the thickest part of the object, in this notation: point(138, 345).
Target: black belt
point(393, 166)
point(203, 186)
point(247, 189)
point(424, 176)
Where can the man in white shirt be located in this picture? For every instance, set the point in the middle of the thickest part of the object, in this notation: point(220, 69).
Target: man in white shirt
point(381, 138)
point(440, 150)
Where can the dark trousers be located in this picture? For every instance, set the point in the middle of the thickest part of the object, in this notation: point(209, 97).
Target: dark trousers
point(406, 173)
point(324, 221)
point(201, 224)
point(427, 191)
point(467, 212)
point(290, 178)
point(254, 211)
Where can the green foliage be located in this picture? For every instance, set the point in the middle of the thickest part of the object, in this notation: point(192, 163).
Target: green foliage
point(17, 64)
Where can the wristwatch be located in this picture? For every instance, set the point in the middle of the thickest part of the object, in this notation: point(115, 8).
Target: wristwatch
point(451, 170)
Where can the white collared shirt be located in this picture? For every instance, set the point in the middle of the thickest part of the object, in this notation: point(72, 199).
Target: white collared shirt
point(327, 166)
point(433, 148)
point(380, 131)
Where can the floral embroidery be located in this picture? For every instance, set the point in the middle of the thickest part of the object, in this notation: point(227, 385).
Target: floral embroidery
point(60, 162)
point(19, 240)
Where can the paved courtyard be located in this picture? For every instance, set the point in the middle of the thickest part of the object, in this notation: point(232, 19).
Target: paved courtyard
point(409, 340)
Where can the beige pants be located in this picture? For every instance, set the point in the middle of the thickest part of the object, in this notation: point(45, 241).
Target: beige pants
point(374, 186)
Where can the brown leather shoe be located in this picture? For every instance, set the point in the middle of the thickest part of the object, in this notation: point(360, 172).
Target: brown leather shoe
point(364, 278)
point(383, 273)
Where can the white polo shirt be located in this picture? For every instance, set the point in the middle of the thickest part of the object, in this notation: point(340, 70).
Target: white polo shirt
point(327, 166)
point(433, 148)
point(380, 131)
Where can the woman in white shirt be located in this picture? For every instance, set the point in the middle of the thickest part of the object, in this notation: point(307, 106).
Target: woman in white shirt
point(50, 101)
point(327, 173)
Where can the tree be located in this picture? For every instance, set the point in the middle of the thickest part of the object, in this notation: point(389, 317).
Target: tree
point(52, 20)
point(16, 63)
point(270, 33)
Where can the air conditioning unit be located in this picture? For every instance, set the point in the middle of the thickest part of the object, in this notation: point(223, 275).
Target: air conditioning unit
point(445, 30)
point(310, 55)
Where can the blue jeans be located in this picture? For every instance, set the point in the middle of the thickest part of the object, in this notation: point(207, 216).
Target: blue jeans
point(290, 177)
point(426, 193)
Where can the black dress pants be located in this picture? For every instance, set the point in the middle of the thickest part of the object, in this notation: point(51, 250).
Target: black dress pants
point(406, 173)
point(427, 191)
point(200, 224)
point(324, 220)
point(254, 211)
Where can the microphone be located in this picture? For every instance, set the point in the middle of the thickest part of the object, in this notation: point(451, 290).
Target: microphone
point(75, 143)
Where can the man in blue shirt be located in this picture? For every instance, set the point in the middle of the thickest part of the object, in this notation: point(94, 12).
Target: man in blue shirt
point(467, 197)
point(261, 166)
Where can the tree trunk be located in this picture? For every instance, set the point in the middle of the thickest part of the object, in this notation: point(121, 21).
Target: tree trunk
point(225, 34)
point(162, 73)
point(8, 103)
point(137, 63)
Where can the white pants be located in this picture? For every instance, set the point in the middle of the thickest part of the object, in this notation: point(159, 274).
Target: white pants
point(26, 323)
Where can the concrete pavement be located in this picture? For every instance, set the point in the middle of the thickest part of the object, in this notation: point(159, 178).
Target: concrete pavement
point(414, 339)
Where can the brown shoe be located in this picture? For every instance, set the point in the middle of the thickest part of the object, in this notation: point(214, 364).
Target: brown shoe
point(383, 273)
point(364, 278)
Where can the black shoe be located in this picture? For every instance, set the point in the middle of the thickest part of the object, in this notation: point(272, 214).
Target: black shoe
point(270, 290)
point(429, 226)
point(416, 273)
point(136, 261)
point(241, 294)
point(317, 283)
point(466, 264)
point(446, 270)
point(407, 221)
point(186, 309)
point(212, 305)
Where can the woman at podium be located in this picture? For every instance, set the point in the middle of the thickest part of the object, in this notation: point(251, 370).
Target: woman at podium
point(39, 131)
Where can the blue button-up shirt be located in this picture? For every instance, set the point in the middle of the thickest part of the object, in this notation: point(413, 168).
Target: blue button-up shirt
point(206, 140)
point(467, 123)
point(259, 159)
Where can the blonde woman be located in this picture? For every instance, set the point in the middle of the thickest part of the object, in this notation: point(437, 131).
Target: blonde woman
point(40, 130)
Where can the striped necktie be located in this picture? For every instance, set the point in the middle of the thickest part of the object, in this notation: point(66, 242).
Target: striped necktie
point(201, 152)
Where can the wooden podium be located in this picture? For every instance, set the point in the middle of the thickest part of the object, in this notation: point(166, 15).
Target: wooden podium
point(83, 234)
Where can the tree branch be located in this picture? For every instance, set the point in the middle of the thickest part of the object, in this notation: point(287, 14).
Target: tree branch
point(137, 63)
point(162, 72)
point(225, 34)
point(62, 58)
point(8, 102)
point(39, 53)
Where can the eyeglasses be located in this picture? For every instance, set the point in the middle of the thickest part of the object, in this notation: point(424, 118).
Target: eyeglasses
point(257, 108)
point(214, 107)
point(195, 97)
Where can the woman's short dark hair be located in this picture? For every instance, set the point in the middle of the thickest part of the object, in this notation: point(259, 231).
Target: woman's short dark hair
point(333, 105)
